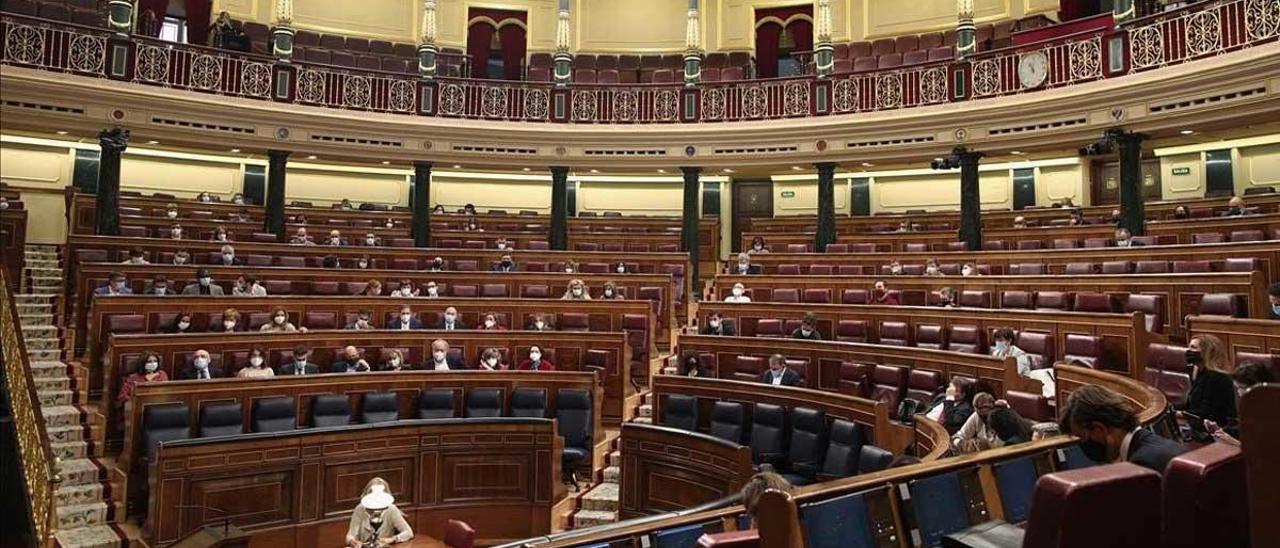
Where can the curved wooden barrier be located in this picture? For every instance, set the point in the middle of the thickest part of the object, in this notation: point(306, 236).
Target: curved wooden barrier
point(1149, 403)
point(667, 469)
point(299, 488)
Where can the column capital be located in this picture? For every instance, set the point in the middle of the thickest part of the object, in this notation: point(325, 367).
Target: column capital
point(966, 154)
point(559, 171)
point(278, 155)
point(828, 167)
point(423, 164)
point(1124, 137)
point(115, 139)
point(690, 171)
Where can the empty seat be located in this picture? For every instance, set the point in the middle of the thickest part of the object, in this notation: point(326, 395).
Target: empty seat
point(844, 446)
point(1152, 306)
point(817, 295)
point(1115, 267)
point(1094, 302)
point(821, 270)
point(923, 384)
point(1223, 304)
point(1113, 505)
point(851, 331)
point(805, 445)
point(1082, 269)
point(1039, 348)
point(162, 423)
point(221, 419)
point(1053, 300)
point(786, 295)
point(788, 270)
point(727, 421)
point(1247, 236)
point(574, 321)
point(1084, 349)
point(330, 410)
point(768, 434)
point(483, 402)
point(966, 338)
point(273, 414)
point(888, 383)
point(1205, 498)
point(1025, 245)
point(1151, 267)
point(855, 296)
point(574, 421)
point(1026, 269)
point(435, 403)
point(529, 402)
point(534, 292)
point(930, 336)
point(873, 459)
point(1016, 299)
point(975, 299)
point(1190, 267)
point(1167, 370)
point(1032, 406)
point(1240, 264)
point(680, 411)
point(1207, 238)
point(894, 333)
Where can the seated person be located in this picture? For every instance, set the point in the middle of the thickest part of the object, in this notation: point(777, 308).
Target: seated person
point(1019, 222)
point(200, 368)
point(779, 374)
point(947, 297)
point(146, 370)
point(766, 480)
point(175, 232)
point(450, 321)
point(257, 368)
point(230, 322)
point(171, 211)
point(300, 365)
point(881, 295)
point(335, 238)
point(247, 285)
point(405, 289)
point(182, 257)
point(1077, 218)
point(376, 521)
point(931, 268)
point(300, 237)
point(204, 285)
point(1109, 431)
point(490, 323)
point(220, 235)
point(433, 290)
point(1181, 212)
point(441, 359)
point(117, 284)
point(204, 198)
point(738, 294)
point(577, 291)
point(469, 209)
point(504, 244)
point(540, 322)
point(1235, 207)
point(716, 325)
point(330, 262)
point(180, 324)
point(439, 208)
point(744, 266)
point(372, 289)
point(976, 433)
point(436, 265)
point(241, 216)
point(895, 267)
point(159, 286)
point(610, 292)
point(344, 205)
point(757, 246)
point(570, 267)
point(1246, 376)
point(969, 270)
point(350, 362)
point(228, 257)
point(395, 362)
point(238, 199)
point(808, 329)
point(1273, 296)
point(491, 360)
point(363, 262)
point(620, 268)
point(136, 256)
point(405, 321)
point(362, 321)
point(1003, 338)
point(1124, 239)
point(691, 366)
point(505, 265)
point(1009, 426)
point(280, 323)
point(1115, 217)
point(1212, 395)
point(535, 362)
point(953, 407)
point(473, 226)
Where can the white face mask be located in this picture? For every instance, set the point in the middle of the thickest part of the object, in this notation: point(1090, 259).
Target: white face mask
point(370, 241)
point(1002, 345)
point(152, 366)
point(622, 269)
point(932, 270)
point(608, 293)
point(184, 325)
point(238, 201)
point(433, 291)
point(539, 325)
point(229, 325)
point(737, 292)
point(202, 363)
point(404, 318)
point(363, 264)
point(450, 318)
point(577, 292)
point(394, 362)
point(176, 232)
point(502, 245)
point(179, 260)
point(966, 271)
point(256, 361)
point(172, 214)
point(715, 324)
point(493, 362)
point(228, 257)
point(757, 247)
point(895, 269)
point(205, 280)
point(438, 356)
point(568, 270)
point(490, 323)
point(535, 356)
point(280, 319)
point(222, 237)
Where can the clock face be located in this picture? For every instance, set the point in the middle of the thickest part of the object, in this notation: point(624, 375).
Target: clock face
point(1033, 68)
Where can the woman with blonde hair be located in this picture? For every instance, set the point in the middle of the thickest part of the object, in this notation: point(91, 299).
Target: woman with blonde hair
point(1213, 394)
point(577, 291)
point(279, 322)
point(376, 521)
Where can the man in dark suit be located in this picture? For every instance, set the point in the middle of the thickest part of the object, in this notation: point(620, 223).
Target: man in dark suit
point(299, 365)
point(717, 326)
point(808, 329)
point(450, 321)
point(1109, 431)
point(405, 321)
point(117, 284)
point(505, 265)
point(779, 374)
point(228, 257)
point(204, 285)
point(1273, 295)
point(201, 368)
point(350, 362)
point(441, 359)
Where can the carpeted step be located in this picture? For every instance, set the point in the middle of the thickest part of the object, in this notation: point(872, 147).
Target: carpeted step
point(48, 369)
point(82, 515)
point(670, 371)
point(603, 497)
point(643, 420)
point(74, 432)
point(35, 319)
point(615, 458)
point(79, 472)
point(80, 494)
point(34, 298)
point(70, 450)
point(62, 415)
point(94, 536)
point(43, 343)
point(44, 354)
point(50, 398)
point(612, 474)
point(45, 331)
point(646, 410)
point(52, 383)
point(591, 518)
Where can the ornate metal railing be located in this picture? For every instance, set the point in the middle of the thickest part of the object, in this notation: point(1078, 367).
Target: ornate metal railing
point(1193, 32)
point(39, 467)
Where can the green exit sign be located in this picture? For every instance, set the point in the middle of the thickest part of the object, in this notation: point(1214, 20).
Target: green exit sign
point(788, 194)
point(1182, 171)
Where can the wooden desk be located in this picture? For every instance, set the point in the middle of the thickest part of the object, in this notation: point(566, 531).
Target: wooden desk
point(667, 469)
point(299, 488)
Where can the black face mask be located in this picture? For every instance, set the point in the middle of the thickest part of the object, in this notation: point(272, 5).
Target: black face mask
point(1096, 452)
point(1194, 357)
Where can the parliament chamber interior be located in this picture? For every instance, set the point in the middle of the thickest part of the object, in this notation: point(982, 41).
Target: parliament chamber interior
point(640, 273)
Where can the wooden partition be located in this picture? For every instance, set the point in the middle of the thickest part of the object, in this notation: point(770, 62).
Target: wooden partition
point(305, 281)
point(668, 469)
point(1124, 336)
point(157, 312)
point(1149, 403)
point(502, 476)
point(1182, 292)
point(1167, 232)
point(13, 242)
point(568, 351)
point(1242, 336)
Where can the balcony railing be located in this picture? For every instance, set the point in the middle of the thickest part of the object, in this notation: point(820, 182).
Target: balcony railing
point(1194, 32)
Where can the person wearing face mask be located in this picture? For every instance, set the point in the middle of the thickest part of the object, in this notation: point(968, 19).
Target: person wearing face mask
point(389, 223)
point(1235, 207)
point(438, 210)
point(4, 203)
point(491, 360)
point(953, 407)
point(350, 362)
point(743, 266)
point(469, 209)
point(473, 226)
point(947, 297)
point(136, 256)
point(503, 244)
point(229, 323)
point(1212, 395)
point(433, 290)
point(577, 291)
point(808, 329)
point(1003, 347)
point(1115, 217)
point(969, 270)
point(241, 216)
point(237, 199)
point(220, 235)
point(372, 240)
point(280, 323)
point(570, 267)
point(159, 285)
point(330, 262)
point(117, 284)
point(146, 370)
point(779, 374)
point(247, 286)
point(490, 323)
point(171, 211)
point(363, 263)
point(1077, 218)
point(204, 285)
point(344, 205)
point(1019, 222)
point(757, 246)
point(394, 361)
point(540, 322)
point(1181, 212)
point(931, 268)
point(443, 360)
point(976, 434)
point(299, 365)
point(535, 361)
point(620, 268)
point(450, 321)
point(201, 368)
point(181, 257)
point(300, 237)
point(256, 366)
point(405, 289)
point(881, 295)
point(335, 238)
point(1273, 296)
point(691, 366)
point(362, 321)
point(175, 232)
point(895, 268)
point(1246, 376)
point(227, 257)
point(372, 288)
point(716, 325)
point(405, 320)
point(504, 265)
point(1109, 431)
point(180, 324)
point(738, 294)
point(436, 265)
point(610, 292)
point(204, 198)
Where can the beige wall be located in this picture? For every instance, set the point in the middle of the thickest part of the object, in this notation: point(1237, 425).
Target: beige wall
point(805, 197)
point(1257, 166)
point(326, 187)
point(40, 174)
point(1054, 183)
point(184, 178)
point(1182, 187)
point(494, 193)
point(650, 198)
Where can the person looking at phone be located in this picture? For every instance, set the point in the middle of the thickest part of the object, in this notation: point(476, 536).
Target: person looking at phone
point(1213, 394)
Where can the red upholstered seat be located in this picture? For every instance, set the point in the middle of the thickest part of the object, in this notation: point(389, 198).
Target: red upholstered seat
point(941, 53)
point(931, 336)
point(915, 247)
point(457, 534)
point(866, 63)
point(890, 60)
point(1024, 245)
point(467, 265)
point(993, 245)
point(1093, 243)
point(1116, 267)
point(1085, 349)
point(1016, 299)
point(859, 49)
point(851, 331)
point(923, 384)
point(769, 327)
point(473, 244)
point(451, 244)
point(788, 270)
point(1187, 267)
point(584, 76)
point(1240, 264)
point(850, 270)
point(1094, 302)
point(493, 290)
point(863, 248)
point(748, 368)
point(464, 290)
point(278, 287)
point(975, 299)
point(786, 295)
point(534, 292)
point(817, 295)
point(1206, 498)
point(888, 383)
point(820, 269)
point(320, 320)
point(1152, 306)
point(1223, 304)
point(1065, 243)
point(1207, 238)
point(1032, 406)
point(915, 57)
point(883, 46)
point(837, 248)
point(1247, 236)
point(1039, 346)
point(1026, 269)
point(1107, 506)
point(731, 74)
point(1053, 300)
point(573, 321)
point(894, 333)
point(965, 338)
point(1080, 269)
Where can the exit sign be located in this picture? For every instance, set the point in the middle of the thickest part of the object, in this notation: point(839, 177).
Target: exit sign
point(788, 194)
point(1182, 171)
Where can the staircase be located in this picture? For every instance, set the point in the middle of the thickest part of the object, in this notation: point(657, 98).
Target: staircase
point(86, 511)
point(600, 504)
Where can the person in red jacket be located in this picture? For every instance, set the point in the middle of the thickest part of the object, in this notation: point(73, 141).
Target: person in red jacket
point(880, 294)
point(535, 361)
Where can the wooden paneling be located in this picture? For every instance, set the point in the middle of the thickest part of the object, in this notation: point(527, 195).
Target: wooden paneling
point(1150, 404)
point(491, 470)
point(666, 469)
point(1240, 335)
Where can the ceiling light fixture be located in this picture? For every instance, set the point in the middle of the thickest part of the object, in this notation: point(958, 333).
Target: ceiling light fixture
point(311, 157)
point(525, 169)
point(62, 133)
point(727, 170)
point(386, 162)
point(456, 166)
point(662, 171)
point(235, 150)
point(595, 171)
point(153, 142)
point(867, 164)
point(1017, 152)
point(1186, 132)
point(796, 168)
